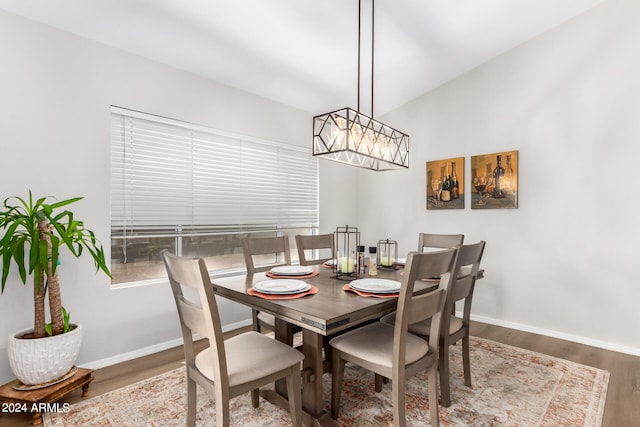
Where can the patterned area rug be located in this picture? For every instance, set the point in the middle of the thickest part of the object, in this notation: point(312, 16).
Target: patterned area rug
point(511, 387)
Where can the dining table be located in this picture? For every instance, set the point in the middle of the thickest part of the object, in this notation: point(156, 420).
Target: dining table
point(331, 310)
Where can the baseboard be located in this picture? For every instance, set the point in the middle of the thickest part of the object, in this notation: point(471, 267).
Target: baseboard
point(555, 334)
point(97, 364)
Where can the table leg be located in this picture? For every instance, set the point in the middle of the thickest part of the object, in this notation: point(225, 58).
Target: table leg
point(284, 334)
point(312, 370)
point(312, 367)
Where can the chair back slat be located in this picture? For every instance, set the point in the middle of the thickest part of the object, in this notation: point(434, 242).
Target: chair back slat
point(192, 316)
point(470, 255)
point(427, 240)
point(425, 267)
point(425, 306)
point(309, 243)
point(462, 287)
point(264, 246)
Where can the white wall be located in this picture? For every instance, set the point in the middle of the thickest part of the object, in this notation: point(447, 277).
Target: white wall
point(565, 262)
point(54, 119)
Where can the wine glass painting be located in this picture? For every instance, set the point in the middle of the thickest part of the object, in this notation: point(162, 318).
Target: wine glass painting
point(445, 184)
point(494, 179)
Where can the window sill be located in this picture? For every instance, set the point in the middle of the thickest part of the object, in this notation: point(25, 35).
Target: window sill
point(164, 280)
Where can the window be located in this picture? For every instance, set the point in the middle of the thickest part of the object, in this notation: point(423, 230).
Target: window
point(197, 191)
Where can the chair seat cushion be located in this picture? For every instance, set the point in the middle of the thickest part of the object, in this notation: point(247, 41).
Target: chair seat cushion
point(250, 356)
point(374, 343)
point(424, 328)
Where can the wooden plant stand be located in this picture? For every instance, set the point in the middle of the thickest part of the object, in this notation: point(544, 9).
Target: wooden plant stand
point(39, 400)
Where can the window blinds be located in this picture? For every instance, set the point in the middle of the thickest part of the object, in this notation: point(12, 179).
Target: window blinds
point(171, 176)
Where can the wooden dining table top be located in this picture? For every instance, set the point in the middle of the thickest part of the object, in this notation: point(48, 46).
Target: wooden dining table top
point(329, 311)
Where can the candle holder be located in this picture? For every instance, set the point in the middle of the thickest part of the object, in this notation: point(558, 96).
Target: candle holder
point(387, 254)
point(346, 242)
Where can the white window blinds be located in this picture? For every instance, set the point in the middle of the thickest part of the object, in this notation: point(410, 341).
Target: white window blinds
point(170, 176)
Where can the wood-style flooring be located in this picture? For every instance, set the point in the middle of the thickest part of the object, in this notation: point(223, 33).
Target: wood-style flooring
point(622, 408)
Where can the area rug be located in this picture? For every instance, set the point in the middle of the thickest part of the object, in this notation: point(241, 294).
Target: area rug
point(511, 387)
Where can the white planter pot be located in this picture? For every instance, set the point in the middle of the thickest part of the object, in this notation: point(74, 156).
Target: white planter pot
point(40, 360)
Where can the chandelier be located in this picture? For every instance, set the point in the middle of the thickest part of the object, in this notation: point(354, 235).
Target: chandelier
point(349, 136)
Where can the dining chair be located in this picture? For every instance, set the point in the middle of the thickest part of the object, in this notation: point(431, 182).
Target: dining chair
point(390, 351)
point(445, 241)
point(453, 328)
point(231, 367)
point(316, 242)
point(278, 247)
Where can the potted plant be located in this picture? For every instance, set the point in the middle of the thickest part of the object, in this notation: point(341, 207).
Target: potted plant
point(33, 232)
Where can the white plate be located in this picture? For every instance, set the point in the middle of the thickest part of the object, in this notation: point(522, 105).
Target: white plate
point(292, 270)
point(376, 286)
point(401, 261)
point(281, 286)
point(308, 287)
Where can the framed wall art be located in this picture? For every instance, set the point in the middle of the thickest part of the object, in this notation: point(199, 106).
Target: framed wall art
point(494, 180)
point(445, 184)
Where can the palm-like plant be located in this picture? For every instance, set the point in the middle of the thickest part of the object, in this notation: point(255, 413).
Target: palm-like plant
point(35, 231)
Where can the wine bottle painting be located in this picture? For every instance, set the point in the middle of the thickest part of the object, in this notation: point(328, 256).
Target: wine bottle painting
point(445, 184)
point(494, 180)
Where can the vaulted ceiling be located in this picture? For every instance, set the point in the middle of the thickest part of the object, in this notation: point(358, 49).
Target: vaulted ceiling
point(304, 52)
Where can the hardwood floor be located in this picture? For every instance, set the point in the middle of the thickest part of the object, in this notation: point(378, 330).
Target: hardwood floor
point(622, 408)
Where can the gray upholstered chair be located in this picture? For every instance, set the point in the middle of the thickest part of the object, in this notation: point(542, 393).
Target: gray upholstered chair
point(276, 247)
point(319, 242)
point(426, 240)
point(390, 350)
point(227, 368)
point(453, 328)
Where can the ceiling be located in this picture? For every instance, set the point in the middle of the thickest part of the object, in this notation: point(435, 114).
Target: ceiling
point(304, 52)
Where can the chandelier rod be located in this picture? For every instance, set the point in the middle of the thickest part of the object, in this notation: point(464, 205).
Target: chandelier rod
point(372, 38)
point(359, 31)
point(372, 49)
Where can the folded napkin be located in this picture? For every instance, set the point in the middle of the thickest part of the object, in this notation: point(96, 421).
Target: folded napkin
point(255, 293)
point(368, 294)
point(286, 276)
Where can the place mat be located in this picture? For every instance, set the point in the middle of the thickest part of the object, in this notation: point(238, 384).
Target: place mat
point(280, 276)
point(253, 292)
point(346, 287)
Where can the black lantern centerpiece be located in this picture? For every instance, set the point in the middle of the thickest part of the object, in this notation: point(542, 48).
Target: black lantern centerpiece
point(387, 254)
point(346, 242)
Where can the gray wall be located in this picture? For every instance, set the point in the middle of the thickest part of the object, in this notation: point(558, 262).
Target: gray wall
point(564, 263)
